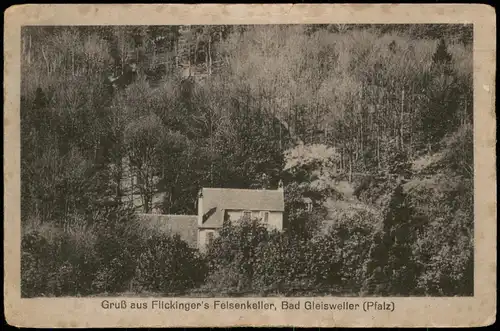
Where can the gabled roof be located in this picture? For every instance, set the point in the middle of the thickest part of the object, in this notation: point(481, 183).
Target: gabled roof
point(184, 225)
point(216, 200)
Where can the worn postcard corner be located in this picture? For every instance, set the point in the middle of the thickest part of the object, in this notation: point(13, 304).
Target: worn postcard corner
point(250, 165)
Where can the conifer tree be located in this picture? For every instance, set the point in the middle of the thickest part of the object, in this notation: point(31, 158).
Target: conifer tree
point(442, 56)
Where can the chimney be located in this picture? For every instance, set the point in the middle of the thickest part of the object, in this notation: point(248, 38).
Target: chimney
point(200, 207)
point(265, 181)
point(280, 185)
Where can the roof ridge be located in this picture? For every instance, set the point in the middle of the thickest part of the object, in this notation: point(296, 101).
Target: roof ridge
point(241, 189)
point(176, 215)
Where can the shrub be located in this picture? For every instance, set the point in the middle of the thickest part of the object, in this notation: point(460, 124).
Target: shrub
point(348, 243)
point(426, 244)
point(105, 258)
point(284, 263)
point(391, 269)
point(77, 259)
point(225, 279)
point(33, 269)
point(167, 264)
point(234, 251)
point(116, 248)
point(444, 246)
point(54, 266)
point(247, 257)
point(116, 261)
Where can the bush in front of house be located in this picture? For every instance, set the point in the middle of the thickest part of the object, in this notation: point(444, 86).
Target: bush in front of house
point(166, 264)
point(284, 263)
point(329, 263)
point(57, 262)
point(232, 257)
point(108, 257)
point(79, 258)
point(247, 258)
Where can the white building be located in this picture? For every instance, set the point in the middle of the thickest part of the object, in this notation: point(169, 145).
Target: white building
point(218, 204)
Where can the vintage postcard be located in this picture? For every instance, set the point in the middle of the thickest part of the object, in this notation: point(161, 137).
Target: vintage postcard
point(250, 165)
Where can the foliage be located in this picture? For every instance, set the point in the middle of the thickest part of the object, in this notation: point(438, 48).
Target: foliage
point(310, 105)
point(167, 265)
point(234, 251)
point(310, 173)
point(426, 245)
point(108, 257)
point(285, 263)
point(391, 266)
point(248, 257)
point(443, 249)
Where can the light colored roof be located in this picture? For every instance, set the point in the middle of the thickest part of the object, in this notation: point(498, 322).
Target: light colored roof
point(215, 200)
point(184, 225)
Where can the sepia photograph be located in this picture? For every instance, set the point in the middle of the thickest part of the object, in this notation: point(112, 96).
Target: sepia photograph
point(247, 160)
point(237, 161)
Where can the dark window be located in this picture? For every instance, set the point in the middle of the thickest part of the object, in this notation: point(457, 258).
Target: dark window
point(309, 206)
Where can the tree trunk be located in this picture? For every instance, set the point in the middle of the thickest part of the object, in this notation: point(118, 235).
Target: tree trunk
point(211, 152)
point(96, 147)
point(176, 52)
point(402, 118)
point(171, 195)
point(361, 121)
point(46, 62)
point(132, 184)
point(342, 159)
point(123, 57)
point(411, 112)
point(209, 55)
point(145, 191)
point(464, 116)
point(147, 203)
point(29, 49)
point(72, 63)
point(378, 147)
point(206, 62)
point(152, 64)
point(118, 178)
point(280, 125)
point(189, 60)
point(350, 168)
point(23, 47)
point(326, 132)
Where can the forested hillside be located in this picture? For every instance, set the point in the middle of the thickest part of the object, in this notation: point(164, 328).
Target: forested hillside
point(385, 111)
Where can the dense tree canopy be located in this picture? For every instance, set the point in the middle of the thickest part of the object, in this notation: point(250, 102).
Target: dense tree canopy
point(225, 106)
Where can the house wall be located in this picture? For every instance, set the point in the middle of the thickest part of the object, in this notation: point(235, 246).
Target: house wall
point(275, 220)
point(203, 238)
point(186, 226)
point(200, 209)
